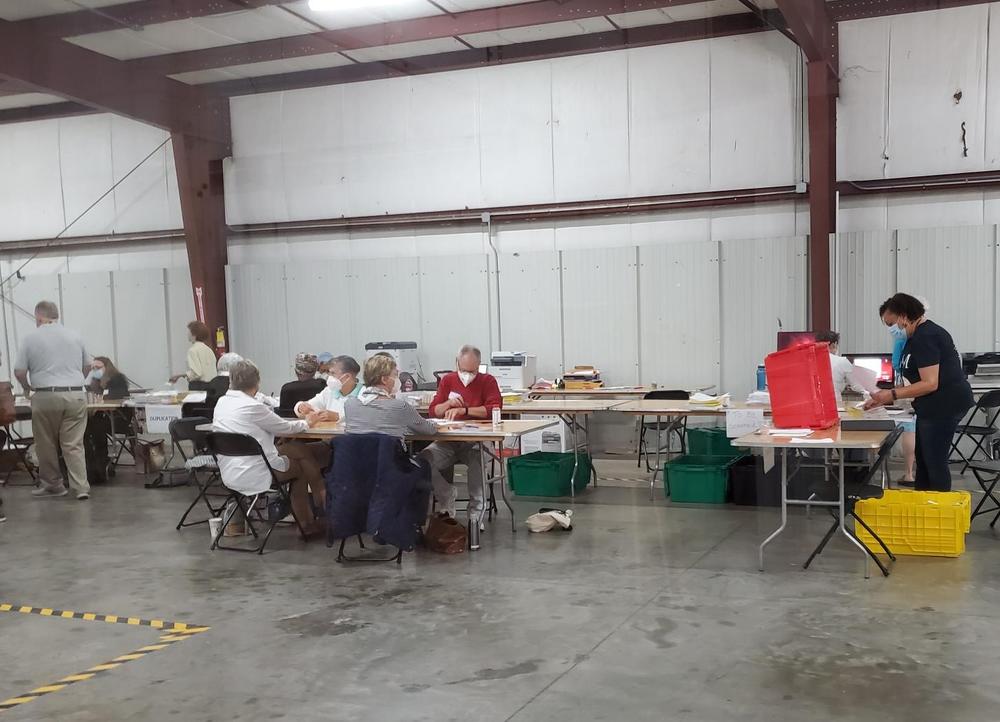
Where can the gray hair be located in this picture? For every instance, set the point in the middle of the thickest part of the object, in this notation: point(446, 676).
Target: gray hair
point(346, 364)
point(47, 310)
point(244, 376)
point(467, 349)
point(226, 361)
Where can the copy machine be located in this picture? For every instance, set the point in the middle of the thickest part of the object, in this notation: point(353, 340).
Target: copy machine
point(513, 370)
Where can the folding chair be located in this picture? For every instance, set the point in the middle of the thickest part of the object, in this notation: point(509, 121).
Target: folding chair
point(186, 430)
point(854, 491)
point(989, 404)
point(123, 440)
point(235, 445)
point(987, 473)
point(19, 444)
point(676, 426)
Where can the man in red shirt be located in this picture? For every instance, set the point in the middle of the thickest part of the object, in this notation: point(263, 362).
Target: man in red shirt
point(463, 394)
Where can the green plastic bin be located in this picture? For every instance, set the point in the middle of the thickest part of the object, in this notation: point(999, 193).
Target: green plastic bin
point(711, 442)
point(546, 473)
point(695, 479)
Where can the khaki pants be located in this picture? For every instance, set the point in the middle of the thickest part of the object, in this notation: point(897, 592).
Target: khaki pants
point(307, 460)
point(58, 420)
point(443, 455)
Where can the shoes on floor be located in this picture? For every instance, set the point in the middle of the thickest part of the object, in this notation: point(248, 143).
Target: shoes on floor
point(46, 492)
point(906, 483)
point(82, 496)
point(3, 517)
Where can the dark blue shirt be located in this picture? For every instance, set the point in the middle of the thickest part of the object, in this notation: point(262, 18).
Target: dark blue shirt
point(931, 345)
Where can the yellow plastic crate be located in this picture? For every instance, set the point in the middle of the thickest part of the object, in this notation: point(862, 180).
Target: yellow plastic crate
point(917, 523)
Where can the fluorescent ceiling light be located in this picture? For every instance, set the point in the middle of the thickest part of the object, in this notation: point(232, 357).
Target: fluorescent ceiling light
point(334, 5)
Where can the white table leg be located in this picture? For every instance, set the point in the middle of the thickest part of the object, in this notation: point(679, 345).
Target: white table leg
point(656, 465)
point(841, 484)
point(784, 508)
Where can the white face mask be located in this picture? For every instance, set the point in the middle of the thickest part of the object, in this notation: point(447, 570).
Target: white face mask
point(466, 377)
point(333, 383)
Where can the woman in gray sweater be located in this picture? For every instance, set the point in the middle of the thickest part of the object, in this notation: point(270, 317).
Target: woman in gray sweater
point(376, 410)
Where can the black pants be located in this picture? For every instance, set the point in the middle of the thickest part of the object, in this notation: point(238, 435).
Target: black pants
point(934, 437)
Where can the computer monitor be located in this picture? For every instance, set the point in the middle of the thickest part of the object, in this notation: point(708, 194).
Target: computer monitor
point(792, 338)
point(880, 364)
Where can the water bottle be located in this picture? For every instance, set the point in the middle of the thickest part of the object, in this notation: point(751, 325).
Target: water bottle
point(761, 379)
point(496, 417)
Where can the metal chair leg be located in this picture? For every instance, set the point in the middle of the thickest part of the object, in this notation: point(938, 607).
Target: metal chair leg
point(875, 536)
point(822, 545)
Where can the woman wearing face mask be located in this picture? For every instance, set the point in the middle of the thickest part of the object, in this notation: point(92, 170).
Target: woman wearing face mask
point(377, 410)
point(937, 384)
point(107, 381)
point(908, 441)
point(200, 358)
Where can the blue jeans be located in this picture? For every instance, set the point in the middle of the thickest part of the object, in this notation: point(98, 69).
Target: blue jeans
point(934, 437)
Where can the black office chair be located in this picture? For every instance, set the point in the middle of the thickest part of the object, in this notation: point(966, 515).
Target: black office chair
point(235, 445)
point(989, 404)
point(201, 460)
point(668, 425)
point(854, 491)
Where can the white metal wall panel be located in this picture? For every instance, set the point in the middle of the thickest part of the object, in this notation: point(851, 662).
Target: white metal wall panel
point(313, 157)
point(531, 308)
point(993, 89)
point(866, 276)
point(31, 204)
point(863, 103)
point(679, 314)
point(85, 160)
point(762, 281)
point(600, 312)
point(141, 201)
point(669, 119)
point(952, 269)
point(25, 294)
point(932, 57)
point(590, 126)
point(141, 326)
point(318, 295)
point(254, 176)
point(87, 308)
point(515, 133)
point(258, 321)
point(454, 308)
point(180, 312)
point(442, 141)
point(385, 299)
point(375, 140)
point(753, 111)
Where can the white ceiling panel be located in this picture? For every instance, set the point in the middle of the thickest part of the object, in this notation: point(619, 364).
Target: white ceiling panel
point(643, 17)
point(22, 9)
point(457, 6)
point(26, 100)
point(355, 17)
point(269, 67)
point(406, 50)
point(706, 10)
point(196, 33)
point(538, 32)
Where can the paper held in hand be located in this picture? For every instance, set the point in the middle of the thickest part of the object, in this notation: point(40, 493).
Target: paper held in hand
point(865, 378)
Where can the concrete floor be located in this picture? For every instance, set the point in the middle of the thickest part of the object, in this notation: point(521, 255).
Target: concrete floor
point(643, 612)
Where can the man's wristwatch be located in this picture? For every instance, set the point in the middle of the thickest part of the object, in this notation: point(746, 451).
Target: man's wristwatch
point(894, 394)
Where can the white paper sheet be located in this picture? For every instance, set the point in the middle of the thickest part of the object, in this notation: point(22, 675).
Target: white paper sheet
point(789, 432)
point(865, 378)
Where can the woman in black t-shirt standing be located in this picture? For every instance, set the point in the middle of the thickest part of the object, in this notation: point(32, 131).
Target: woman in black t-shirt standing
point(941, 394)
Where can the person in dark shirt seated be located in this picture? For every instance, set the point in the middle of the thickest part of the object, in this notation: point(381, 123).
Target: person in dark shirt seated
point(305, 387)
point(107, 381)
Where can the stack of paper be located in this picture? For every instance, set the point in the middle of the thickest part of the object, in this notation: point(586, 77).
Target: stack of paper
point(701, 399)
point(759, 397)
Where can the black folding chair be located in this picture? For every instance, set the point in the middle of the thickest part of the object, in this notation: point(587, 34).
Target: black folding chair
point(854, 491)
point(666, 425)
point(240, 445)
point(125, 439)
point(989, 404)
point(987, 473)
point(185, 430)
point(19, 444)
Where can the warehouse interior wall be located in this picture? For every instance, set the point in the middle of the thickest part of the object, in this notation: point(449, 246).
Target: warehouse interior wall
point(681, 299)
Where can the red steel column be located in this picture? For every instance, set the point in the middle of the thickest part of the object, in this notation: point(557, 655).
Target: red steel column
point(822, 90)
point(199, 180)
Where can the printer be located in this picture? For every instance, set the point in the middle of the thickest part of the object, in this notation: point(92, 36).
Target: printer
point(513, 369)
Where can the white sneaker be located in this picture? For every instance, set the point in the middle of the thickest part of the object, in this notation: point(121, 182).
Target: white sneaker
point(82, 496)
point(42, 491)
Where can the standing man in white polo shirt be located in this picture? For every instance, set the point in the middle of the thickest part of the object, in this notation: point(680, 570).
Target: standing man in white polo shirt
point(51, 365)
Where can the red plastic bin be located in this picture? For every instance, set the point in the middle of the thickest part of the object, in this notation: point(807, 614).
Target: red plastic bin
point(801, 384)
